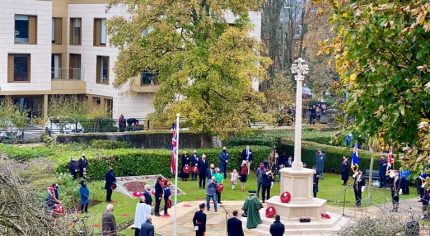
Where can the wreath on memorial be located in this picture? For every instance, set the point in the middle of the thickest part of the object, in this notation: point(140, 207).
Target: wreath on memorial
point(285, 197)
point(325, 216)
point(270, 212)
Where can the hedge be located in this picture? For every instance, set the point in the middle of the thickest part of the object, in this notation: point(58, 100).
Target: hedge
point(131, 162)
point(333, 154)
point(25, 153)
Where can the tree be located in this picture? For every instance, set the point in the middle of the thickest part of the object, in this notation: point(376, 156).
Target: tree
point(11, 113)
point(382, 54)
point(205, 65)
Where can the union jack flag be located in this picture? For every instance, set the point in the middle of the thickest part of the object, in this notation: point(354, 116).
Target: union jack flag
point(390, 160)
point(174, 150)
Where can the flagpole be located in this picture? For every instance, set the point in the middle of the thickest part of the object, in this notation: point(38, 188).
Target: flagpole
point(176, 173)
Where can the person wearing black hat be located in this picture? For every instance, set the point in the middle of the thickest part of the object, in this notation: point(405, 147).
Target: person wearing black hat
point(73, 168)
point(110, 179)
point(277, 228)
point(83, 165)
point(234, 226)
point(199, 221)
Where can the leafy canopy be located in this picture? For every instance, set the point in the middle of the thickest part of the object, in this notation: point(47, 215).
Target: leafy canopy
point(382, 53)
point(205, 65)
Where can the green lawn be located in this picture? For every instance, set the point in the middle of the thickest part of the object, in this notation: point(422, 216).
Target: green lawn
point(330, 188)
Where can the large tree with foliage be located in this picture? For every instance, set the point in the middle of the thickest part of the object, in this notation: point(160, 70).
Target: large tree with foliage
point(382, 55)
point(205, 65)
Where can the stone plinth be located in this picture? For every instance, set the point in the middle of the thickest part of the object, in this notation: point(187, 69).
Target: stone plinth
point(298, 183)
point(295, 211)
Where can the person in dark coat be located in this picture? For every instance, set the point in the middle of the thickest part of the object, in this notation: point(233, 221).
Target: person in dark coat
point(147, 228)
point(203, 170)
point(259, 172)
point(83, 165)
point(395, 189)
point(359, 182)
point(185, 161)
point(122, 123)
point(420, 181)
point(247, 156)
point(223, 160)
point(266, 184)
point(211, 172)
point(383, 172)
point(289, 162)
point(315, 182)
point(158, 195)
point(110, 179)
point(147, 194)
point(319, 163)
point(199, 221)
point(194, 163)
point(234, 226)
point(277, 228)
point(108, 222)
point(73, 168)
point(283, 160)
point(344, 169)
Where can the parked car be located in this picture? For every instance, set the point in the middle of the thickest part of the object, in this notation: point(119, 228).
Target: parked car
point(57, 126)
point(10, 132)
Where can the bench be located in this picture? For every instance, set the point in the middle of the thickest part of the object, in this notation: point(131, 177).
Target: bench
point(375, 174)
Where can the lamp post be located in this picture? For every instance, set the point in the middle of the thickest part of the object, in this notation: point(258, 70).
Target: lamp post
point(300, 68)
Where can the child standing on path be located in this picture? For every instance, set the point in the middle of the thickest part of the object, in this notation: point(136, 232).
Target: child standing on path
point(234, 175)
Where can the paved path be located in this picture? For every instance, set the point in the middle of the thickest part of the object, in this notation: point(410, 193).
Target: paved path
point(216, 225)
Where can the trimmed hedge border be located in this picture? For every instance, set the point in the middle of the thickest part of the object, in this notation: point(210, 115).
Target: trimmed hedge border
point(131, 162)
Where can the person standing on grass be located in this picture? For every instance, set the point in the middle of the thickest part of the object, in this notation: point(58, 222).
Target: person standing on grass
point(108, 222)
point(259, 174)
point(185, 162)
point(233, 179)
point(73, 168)
point(211, 172)
point(110, 179)
point(194, 164)
point(84, 194)
point(147, 228)
point(319, 163)
point(277, 228)
point(199, 221)
point(211, 193)
point(166, 194)
point(203, 171)
point(344, 169)
point(266, 184)
point(383, 172)
point(243, 176)
point(359, 183)
point(247, 156)
point(158, 195)
point(143, 212)
point(404, 180)
point(219, 181)
point(234, 226)
point(83, 166)
point(223, 161)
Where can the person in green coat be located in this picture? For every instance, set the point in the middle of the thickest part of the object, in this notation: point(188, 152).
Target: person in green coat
point(219, 180)
point(251, 207)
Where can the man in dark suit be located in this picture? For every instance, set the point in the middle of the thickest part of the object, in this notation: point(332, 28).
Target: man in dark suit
point(247, 156)
point(211, 171)
point(199, 221)
point(203, 169)
point(383, 172)
point(194, 162)
point(277, 228)
point(110, 179)
point(359, 182)
point(158, 195)
point(234, 226)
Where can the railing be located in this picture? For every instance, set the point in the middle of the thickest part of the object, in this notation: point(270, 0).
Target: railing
point(60, 73)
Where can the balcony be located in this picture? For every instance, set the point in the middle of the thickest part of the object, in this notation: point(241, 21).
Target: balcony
point(146, 82)
point(67, 81)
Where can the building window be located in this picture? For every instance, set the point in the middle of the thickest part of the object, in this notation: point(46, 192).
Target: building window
point(56, 71)
point(99, 36)
point(148, 78)
point(75, 66)
point(75, 31)
point(109, 106)
point(25, 29)
point(57, 30)
point(102, 70)
point(97, 101)
point(19, 67)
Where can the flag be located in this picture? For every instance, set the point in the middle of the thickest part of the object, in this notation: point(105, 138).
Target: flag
point(355, 159)
point(174, 150)
point(390, 161)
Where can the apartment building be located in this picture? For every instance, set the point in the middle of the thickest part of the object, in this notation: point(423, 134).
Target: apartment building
point(60, 47)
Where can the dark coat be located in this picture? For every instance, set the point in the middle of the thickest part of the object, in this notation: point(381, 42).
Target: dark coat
point(158, 190)
point(234, 227)
point(266, 180)
point(147, 229)
point(283, 160)
point(203, 167)
point(382, 168)
point(110, 179)
point(194, 159)
point(315, 185)
point(319, 162)
point(210, 173)
point(185, 160)
point(73, 167)
point(148, 197)
point(108, 224)
point(277, 228)
point(199, 220)
point(247, 157)
point(83, 163)
point(223, 157)
point(359, 182)
point(344, 169)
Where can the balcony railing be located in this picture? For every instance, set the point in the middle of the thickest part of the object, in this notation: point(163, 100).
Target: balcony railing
point(61, 73)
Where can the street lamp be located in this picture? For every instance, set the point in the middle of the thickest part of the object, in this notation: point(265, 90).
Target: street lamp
point(300, 68)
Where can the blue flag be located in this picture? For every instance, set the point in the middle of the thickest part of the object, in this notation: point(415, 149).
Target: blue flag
point(355, 159)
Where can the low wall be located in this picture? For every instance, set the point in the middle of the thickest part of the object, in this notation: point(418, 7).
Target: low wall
point(144, 139)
